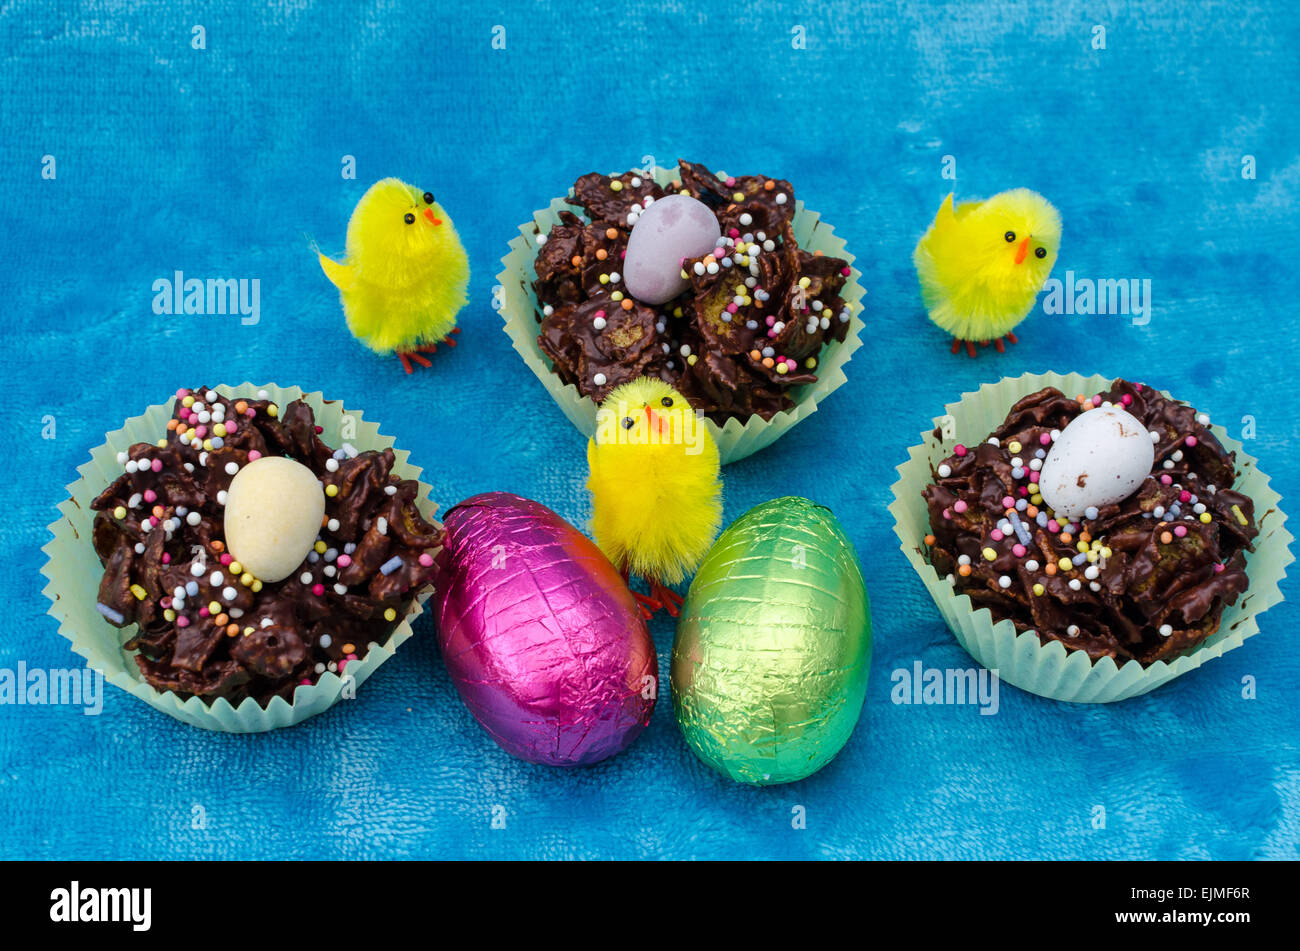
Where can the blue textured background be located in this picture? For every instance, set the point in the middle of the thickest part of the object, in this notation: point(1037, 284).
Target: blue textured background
point(226, 161)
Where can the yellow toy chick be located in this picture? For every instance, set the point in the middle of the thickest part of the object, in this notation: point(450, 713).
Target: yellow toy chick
point(654, 485)
point(405, 274)
point(982, 264)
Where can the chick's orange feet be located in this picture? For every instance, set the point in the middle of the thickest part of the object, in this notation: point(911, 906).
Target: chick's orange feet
point(417, 354)
point(998, 344)
point(671, 600)
point(659, 598)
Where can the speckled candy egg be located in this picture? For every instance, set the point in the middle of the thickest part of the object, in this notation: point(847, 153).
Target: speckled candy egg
point(673, 228)
point(1101, 457)
point(773, 647)
point(540, 635)
point(274, 508)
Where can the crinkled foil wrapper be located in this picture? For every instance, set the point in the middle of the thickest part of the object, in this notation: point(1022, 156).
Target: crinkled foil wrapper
point(773, 648)
point(540, 634)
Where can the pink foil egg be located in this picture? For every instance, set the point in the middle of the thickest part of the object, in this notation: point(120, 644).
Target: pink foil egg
point(540, 634)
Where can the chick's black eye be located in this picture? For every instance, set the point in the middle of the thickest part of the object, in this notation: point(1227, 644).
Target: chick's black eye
point(1010, 236)
point(1040, 252)
point(409, 218)
point(628, 422)
point(428, 198)
point(667, 401)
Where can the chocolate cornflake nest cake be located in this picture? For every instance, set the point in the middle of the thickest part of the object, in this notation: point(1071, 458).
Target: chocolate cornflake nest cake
point(749, 327)
point(1145, 578)
point(207, 626)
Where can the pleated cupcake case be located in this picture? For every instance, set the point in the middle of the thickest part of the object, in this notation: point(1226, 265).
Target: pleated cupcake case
point(519, 309)
point(1052, 670)
point(73, 571)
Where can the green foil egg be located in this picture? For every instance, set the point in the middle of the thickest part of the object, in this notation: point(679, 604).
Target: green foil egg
point(773, 646)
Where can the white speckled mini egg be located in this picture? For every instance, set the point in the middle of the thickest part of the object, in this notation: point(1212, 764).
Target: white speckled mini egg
point(1101, 457)
point(274, 508)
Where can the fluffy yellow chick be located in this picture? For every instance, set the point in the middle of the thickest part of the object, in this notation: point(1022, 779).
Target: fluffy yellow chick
point(654, 485)
point(405, 274)
point(983, 263)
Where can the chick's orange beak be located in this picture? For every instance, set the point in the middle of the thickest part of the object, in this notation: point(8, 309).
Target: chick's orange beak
point(655, 420)
point(1021, 251)
point(428, 213)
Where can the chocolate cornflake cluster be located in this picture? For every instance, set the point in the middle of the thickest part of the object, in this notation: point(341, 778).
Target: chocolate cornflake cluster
point(1146, 579)
point(207, 627)
point(750, 326)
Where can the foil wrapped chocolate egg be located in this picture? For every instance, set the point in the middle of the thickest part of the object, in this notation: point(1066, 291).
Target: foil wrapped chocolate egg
point(540, 634)
point(773, 647)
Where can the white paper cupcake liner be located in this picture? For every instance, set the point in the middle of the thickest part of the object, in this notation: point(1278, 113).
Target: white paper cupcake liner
point(1051, 670)
point(74, 573)
point(736, 440)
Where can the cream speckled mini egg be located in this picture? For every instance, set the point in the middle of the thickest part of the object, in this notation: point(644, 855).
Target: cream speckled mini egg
point(274, 508)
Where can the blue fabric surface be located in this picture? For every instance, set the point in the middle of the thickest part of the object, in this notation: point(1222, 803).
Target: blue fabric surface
point(225, 162)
